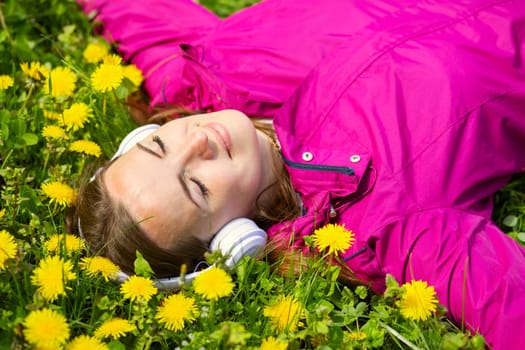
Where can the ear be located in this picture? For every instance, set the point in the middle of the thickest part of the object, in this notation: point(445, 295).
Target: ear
point(239, 238)
point(133, 137)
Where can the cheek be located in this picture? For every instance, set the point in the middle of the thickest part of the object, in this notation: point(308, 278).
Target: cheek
point(236, 194)
point(245, 178)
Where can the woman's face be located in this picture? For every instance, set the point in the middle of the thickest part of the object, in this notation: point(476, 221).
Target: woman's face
point(193, 175)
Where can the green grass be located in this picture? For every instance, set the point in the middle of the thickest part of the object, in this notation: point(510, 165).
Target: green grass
point(55, 33)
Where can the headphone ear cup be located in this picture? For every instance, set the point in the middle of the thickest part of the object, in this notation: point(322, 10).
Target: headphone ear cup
point(239, 238)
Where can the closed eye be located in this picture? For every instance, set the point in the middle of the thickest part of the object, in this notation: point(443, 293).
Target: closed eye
point(202, 187)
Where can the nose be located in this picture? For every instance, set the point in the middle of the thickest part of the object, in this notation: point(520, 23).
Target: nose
point(198, 145)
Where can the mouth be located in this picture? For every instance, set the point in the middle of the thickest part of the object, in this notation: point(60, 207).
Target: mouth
point(223, 136)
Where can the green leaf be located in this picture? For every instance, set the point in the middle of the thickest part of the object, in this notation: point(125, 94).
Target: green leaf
point(375, 335)
point(521, 236)
point(238, 335)
point(104, 303)
point(392, 287)
point(321, 327)
point(30, 139)
point(4, 124)
point(142, 267)
point(336, 337)
point(361, 292)
point(510, 221)
point(478, 342)
point(116, 345)
point(454, 341)
point(324, 307)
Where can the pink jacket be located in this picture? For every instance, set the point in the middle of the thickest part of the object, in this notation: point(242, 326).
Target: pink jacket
point(400, 121)
point(406, 132)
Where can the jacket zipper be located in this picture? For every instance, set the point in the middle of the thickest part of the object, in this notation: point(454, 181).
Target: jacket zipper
point(334, 168)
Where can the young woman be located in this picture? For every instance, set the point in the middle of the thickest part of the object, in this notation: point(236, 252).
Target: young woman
point(399, 122)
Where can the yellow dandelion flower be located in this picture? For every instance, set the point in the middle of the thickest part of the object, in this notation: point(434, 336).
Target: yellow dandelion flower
point(2, 213)
point(133, 74)
point(53, 132)
point(34, 70)
point(85, 342)
point(115, 328)
point(75, 116)
point(107, 77)
point(87, 147)
point(138, 288)
point(99, 265)
point(419, 300)
point(285, 313)
point(59, 193)
point(46, 329)
point(213, 283)
point(272, 343)
point(95, 52)
point(50, 276)
point(355, 336)
point(112, 59)
point(6, 82)
point(334, 237)
point(60, 82)
point(7, 247)
point(52, 115)
point(68, 242)
point(176, 309)
point(45, 71)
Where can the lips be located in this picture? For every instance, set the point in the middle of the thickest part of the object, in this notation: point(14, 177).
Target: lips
point(223, 136)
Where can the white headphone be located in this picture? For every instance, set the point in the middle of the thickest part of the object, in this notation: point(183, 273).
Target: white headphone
point(236, 239)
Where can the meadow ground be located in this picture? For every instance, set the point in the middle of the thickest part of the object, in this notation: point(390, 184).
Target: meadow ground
point(61, 109)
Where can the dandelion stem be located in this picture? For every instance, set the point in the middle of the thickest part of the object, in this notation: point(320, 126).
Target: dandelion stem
point(211, 313)
point(15, 279)
point(29, 93)
point(6, 158)
point(130, 310)
point(46, 160)
point(4, 26)
point(148, 343)
point(118, 101)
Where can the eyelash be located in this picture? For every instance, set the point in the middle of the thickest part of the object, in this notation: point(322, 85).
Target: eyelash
point(157, 140)
point(201, 186)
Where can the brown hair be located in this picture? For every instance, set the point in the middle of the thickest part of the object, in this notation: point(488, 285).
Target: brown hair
point(109, 230)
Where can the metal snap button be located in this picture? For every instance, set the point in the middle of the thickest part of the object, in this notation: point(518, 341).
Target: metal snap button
point(308, 156)
point(355, 158)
